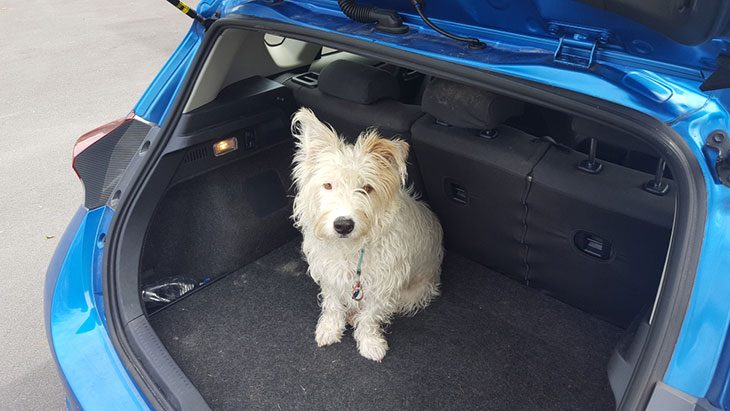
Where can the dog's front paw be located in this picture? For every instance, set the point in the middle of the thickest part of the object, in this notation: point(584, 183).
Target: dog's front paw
point(328, 333)
point(373, 347)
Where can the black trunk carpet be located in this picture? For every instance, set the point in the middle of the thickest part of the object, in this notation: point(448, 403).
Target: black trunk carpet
point(247, 341)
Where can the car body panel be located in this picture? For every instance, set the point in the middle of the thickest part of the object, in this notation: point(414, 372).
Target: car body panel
point(156, 101)
point(85, 357)
point(49, 288)
point(663, 83)
point(665, 97)
point(705, 328)
point(539, 18)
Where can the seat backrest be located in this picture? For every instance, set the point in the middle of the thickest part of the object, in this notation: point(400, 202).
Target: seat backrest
point(475, 172)
point(597, 241)
point(519, 204)
point(353, 97)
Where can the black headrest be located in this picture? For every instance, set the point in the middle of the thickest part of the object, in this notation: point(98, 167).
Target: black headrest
point(357, 82)
point(464, 106)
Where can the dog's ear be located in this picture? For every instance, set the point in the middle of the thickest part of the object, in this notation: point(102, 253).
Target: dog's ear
point(312, 135)
point(393, 152)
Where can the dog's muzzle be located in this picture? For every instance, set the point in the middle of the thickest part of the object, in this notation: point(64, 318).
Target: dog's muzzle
point(344, 225)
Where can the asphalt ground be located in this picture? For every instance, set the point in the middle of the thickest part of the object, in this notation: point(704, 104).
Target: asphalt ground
point(65, 68)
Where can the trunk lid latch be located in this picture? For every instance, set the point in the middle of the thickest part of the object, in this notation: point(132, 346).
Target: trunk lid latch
point(578, 45)
point(717, 152)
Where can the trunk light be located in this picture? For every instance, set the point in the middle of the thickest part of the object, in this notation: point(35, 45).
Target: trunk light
point(225, 146)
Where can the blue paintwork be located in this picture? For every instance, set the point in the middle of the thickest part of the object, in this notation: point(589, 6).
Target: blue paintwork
point(49, 287)
point(634, 67)
point(157, 100)
point(666, 97)
point(534, 18)
point(705, 327)
point(87, 361)
point(720, 387)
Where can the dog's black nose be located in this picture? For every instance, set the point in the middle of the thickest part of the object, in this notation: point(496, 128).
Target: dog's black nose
point(344, 225)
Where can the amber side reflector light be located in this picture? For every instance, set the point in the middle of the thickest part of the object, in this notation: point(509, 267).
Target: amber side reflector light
point(225, 146)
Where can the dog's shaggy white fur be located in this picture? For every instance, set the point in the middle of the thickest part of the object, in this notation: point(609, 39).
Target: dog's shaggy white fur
point(352, 198)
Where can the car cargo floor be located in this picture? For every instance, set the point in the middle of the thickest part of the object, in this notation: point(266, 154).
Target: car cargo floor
point(247, 341)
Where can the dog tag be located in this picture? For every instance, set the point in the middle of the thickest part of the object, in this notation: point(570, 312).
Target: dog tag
point(357, 293)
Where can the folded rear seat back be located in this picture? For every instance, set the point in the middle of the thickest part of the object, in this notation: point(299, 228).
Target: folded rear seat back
point(475, 172)
point(596, 241)
point(614, 146)
point(352, 97)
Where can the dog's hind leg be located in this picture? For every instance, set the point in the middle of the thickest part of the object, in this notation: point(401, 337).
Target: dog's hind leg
point(417, 295)
point(332, 321)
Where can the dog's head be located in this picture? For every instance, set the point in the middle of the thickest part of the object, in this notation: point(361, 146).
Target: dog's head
point(344, 190)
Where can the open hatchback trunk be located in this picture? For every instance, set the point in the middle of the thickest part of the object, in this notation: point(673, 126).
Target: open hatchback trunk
point(557, 225)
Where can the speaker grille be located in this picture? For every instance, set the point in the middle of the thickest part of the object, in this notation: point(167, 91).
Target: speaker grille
point(197, 154)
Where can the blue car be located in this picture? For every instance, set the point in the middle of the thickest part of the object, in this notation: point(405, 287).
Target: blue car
point(575, 152)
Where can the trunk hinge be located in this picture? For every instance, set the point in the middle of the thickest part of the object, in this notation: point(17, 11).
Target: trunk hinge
point(717, 153)
point(578, 45)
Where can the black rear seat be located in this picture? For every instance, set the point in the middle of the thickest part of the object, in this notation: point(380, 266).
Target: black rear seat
point(614, 146)
point(352, 96)
point(474, 171)
point(597, 241)
point(520, 205)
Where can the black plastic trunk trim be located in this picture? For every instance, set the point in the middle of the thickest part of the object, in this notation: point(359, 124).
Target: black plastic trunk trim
point(691, 203)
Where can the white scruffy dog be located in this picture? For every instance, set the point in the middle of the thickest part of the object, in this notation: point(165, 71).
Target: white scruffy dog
point(374, 250)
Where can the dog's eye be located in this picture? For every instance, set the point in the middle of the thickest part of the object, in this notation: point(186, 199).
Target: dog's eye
point(327, 186)
point(368, 188)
